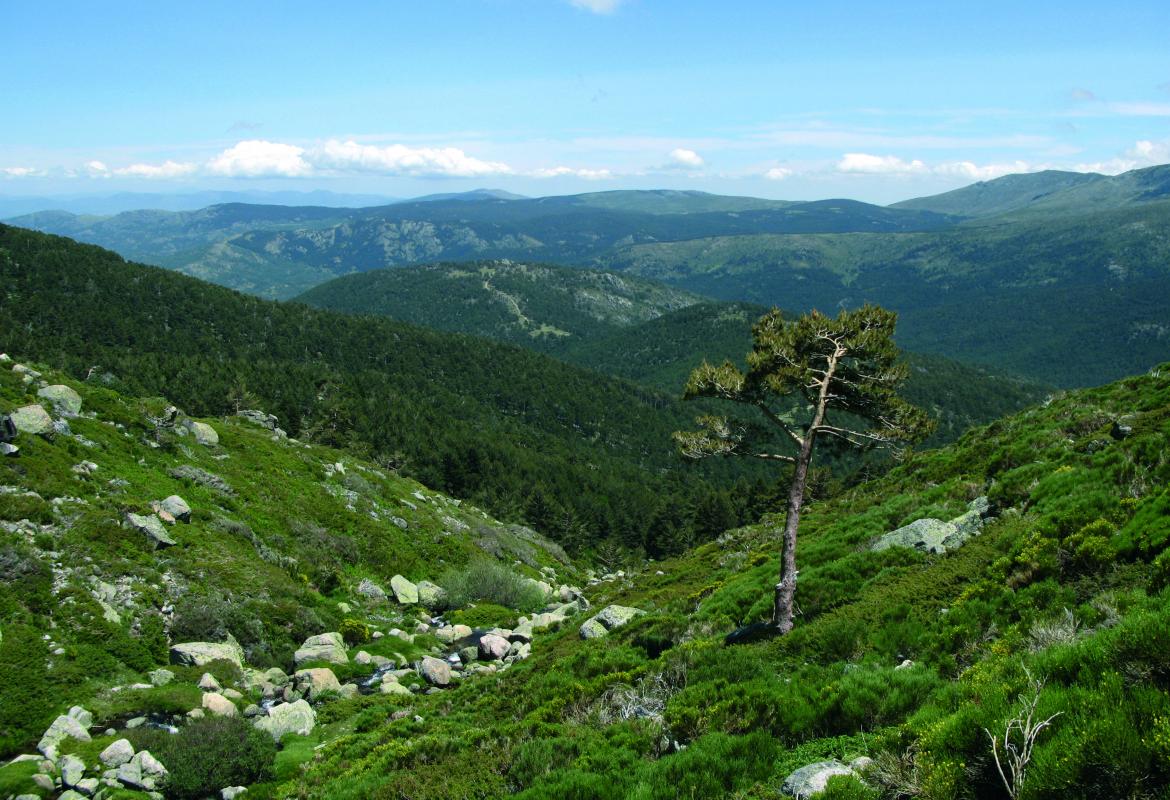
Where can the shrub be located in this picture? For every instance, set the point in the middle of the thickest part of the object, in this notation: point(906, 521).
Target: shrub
point(209, 754)
point(354, 631)
point(491, 582)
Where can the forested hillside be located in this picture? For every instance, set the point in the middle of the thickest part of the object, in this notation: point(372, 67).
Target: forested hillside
point(276, 251)
point(539, 306)
point(587, 458)
point(1070, 300)
point(628, 328)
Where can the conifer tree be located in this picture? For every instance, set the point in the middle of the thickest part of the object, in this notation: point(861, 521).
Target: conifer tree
point(812, 377)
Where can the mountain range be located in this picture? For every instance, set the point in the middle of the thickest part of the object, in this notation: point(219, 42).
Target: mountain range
point(1057, 276)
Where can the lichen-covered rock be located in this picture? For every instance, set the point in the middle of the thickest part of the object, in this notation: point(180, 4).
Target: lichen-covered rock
point(405, 592)
point(592, 629)
point(367, 588)
point(200, 654)
point(286, 718)
point(322, 647)
point(435, 671)
point(394, 687)
point(936, 536)
point(452, 633)
point(117, 753)
point(65, 400)
point(64, 727)
point(204, 434)
point(812, 779)
point(72, 769)
point(218, 705)
point(152, 526)
point(32, 420)
point(607, 619)
point(315, 682)
point(177, 507)
point(431, 595)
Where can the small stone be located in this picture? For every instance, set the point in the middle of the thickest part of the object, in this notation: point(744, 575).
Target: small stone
point(161, 677)
point(232, 792)
point(208, 683)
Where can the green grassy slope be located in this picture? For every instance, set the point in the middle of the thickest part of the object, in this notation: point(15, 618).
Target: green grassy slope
point(266, 557)
point(898, 656)
point(1001, 195)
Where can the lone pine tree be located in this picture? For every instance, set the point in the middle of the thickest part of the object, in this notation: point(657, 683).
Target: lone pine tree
point(809, 377)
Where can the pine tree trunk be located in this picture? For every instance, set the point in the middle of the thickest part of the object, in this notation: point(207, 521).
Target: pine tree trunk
point(784, 606)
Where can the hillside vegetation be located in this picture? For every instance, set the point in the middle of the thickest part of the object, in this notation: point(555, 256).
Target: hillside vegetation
point(259, 541)
point(1070, 300)
point(539, 306)
point(900, 656)
point(628, 328)
point(1028, 274)
point(277, 251)
point(587, 457)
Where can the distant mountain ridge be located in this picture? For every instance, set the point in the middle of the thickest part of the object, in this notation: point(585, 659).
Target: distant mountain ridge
point(1049, 193)
point(277, 251)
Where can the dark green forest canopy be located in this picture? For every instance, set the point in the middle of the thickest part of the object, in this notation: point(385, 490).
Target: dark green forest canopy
point(585, 456)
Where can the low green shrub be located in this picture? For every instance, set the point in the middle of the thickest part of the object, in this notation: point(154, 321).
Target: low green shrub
point(209, 754)
point(490, 582)
point(354, 631)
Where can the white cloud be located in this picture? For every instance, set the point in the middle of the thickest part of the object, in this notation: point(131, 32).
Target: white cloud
point(1144, 153)
point(256, 158)
point(687, 159)
point(20, 172)
point(1141, 109)
point(879, 165)
point(597, 6)
point(777, 173)
point(167, 169)
point(97, 168)
point(559, 172)
point(986, 172)
point(398, 159)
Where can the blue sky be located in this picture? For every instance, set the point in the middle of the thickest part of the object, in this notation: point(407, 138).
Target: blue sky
point(779, 99)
